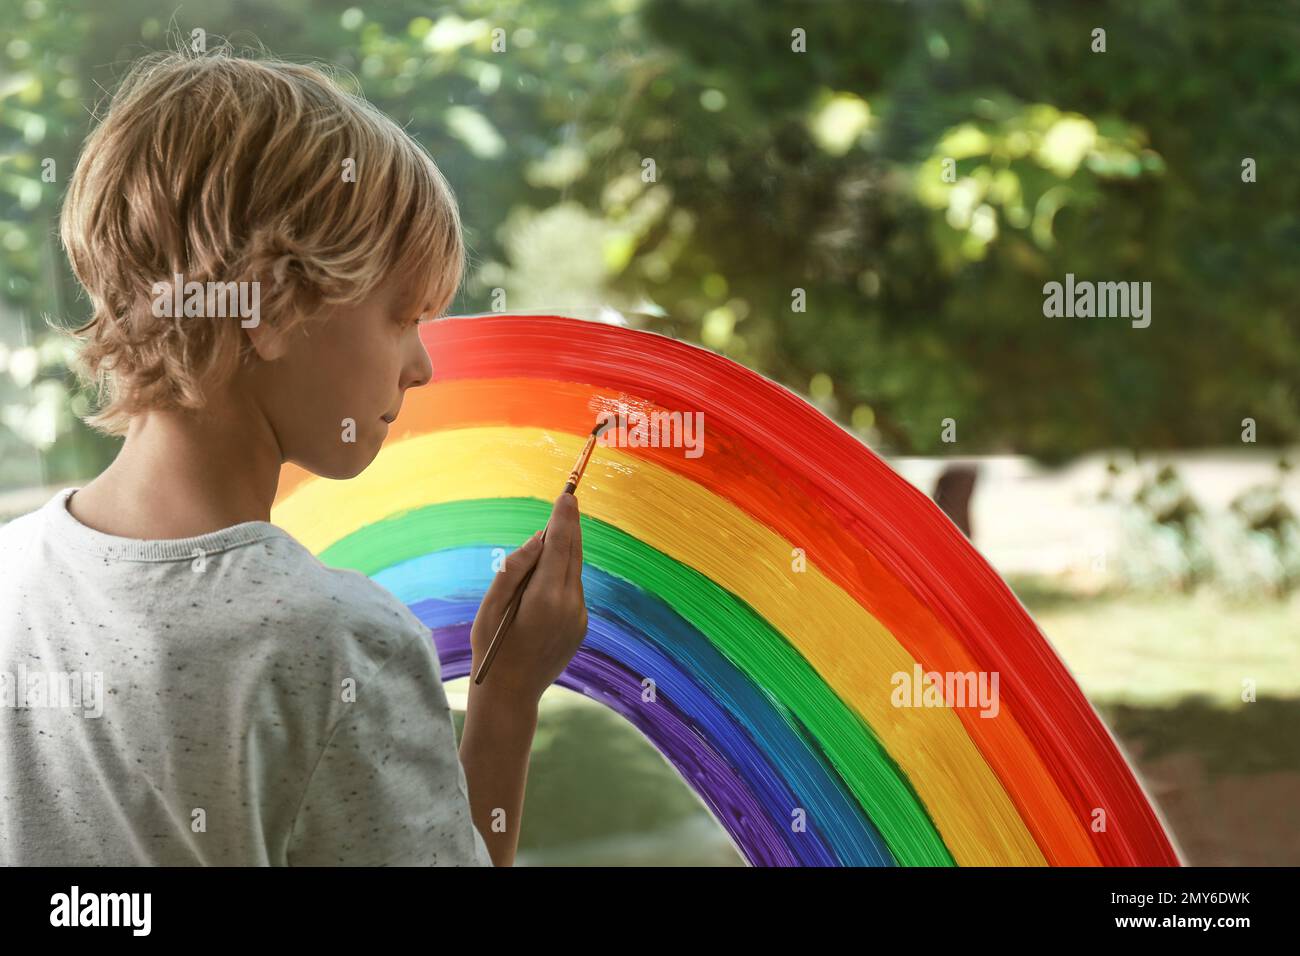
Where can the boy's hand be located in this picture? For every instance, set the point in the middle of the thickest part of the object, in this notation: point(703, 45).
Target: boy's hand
point(552, 617)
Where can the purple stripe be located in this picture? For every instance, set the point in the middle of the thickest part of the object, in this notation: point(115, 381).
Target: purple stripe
point(705, 770)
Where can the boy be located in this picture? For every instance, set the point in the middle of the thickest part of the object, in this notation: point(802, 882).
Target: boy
point(235, 701)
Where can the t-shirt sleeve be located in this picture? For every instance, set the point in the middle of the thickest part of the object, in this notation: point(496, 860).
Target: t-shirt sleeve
point(389, 788)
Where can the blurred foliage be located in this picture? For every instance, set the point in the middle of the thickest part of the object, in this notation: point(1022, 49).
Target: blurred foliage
point(1168, 503)
point(1270, 525)
point(775, 171)
point(1247, 551)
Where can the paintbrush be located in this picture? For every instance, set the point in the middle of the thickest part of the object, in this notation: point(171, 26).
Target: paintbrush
point(512, 608)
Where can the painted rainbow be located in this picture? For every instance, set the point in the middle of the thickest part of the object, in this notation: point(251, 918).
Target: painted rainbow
point(774, 588)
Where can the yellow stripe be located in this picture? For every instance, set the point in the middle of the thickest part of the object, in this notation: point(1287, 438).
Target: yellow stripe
point(852, 651)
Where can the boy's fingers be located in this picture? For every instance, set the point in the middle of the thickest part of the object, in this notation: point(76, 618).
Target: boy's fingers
point(517, 564)
point(553, 567)
point(574, 574)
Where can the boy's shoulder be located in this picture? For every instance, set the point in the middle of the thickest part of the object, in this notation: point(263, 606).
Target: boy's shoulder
point(248, 580)
point(341, 602)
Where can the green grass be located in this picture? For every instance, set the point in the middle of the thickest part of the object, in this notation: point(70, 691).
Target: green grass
point(1241, 741)
point(1158, 649)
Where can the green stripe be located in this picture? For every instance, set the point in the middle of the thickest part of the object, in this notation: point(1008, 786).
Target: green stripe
point(731, 625)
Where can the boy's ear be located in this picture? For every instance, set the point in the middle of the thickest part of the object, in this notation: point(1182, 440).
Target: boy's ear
point(268, 342)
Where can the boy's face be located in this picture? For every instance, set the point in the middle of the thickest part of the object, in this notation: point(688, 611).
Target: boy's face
point(328, 390)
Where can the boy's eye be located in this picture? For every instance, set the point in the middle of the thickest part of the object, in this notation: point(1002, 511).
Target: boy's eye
point(426, 315)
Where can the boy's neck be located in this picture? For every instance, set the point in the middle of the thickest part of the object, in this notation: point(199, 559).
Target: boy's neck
point(179, 475)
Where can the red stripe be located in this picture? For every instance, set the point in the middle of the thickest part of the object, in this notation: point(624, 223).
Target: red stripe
point(806, 453)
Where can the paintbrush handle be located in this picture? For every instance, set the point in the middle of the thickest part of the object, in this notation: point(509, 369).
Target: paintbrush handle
point(511, 610)
point(570, 487)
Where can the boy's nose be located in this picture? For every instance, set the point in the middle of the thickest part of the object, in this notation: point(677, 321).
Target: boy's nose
point(421, 372)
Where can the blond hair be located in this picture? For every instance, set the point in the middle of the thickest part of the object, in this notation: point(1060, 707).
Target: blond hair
point(224, 168)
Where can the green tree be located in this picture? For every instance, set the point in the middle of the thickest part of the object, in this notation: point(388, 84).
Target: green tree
point(917, 170)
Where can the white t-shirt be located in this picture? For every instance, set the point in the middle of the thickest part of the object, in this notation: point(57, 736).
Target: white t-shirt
point(187, 701)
